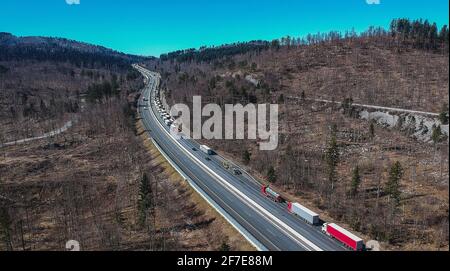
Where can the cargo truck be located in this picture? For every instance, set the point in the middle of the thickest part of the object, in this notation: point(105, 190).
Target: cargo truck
point(345, 237)
point(206, 150)
point(268, 192)
point(304, 213)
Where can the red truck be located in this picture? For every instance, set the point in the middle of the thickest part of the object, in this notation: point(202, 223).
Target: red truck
point(347, 238)
point(272, 194)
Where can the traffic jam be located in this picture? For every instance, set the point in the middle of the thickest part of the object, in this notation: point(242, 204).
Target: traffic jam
point(345, 237)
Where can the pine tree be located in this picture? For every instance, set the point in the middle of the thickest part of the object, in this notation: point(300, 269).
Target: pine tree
point(356, 181)
point(246, 156)
point(437, 136)
point(372, 130)
point(443, 118)
point(5, 228)
point(332, 160)
point(271, 175)
point(393, 184)
point(145, 201)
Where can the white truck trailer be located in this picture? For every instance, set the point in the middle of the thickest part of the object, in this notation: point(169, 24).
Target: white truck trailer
point(304, 213)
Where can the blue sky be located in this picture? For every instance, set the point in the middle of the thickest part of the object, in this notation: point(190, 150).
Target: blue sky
point(152, 27)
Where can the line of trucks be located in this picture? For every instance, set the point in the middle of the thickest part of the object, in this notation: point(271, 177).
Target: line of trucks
point(168, 120)
point(331, 229)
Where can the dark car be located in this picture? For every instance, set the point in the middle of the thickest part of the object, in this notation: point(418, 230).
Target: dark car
point(237, 171)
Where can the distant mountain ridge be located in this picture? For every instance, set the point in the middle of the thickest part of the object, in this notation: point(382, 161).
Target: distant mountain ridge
point(58, 49)
point(205, 53)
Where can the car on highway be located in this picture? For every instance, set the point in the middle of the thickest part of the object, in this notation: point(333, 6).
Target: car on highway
point(206, 150)
point(236, 171)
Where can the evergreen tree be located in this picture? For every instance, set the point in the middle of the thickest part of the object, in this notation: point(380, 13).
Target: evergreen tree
point(271, 175)
point(372, 130)
point(3, 69)
point(443, 118)
point(246, 156)
point(145, 201)
point(5, 228)
point(275, 44)
point(437, 136)
point(393, 184)
point(43, 108)
point(356, 181)
point(332, 160)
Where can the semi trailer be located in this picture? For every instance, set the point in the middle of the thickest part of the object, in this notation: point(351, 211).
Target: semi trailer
point(304, 213)
point(342, 235)
point(268, 192)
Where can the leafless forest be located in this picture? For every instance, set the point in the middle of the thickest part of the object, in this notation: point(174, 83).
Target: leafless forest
point(100, 183)
point(103, 184)
point(382, 182)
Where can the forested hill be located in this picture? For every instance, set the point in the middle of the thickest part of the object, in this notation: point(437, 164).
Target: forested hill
point(402, 34)
point(62, 50)
point(206, 54)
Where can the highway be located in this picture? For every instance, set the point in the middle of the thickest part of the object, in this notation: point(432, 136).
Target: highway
point(240, 197)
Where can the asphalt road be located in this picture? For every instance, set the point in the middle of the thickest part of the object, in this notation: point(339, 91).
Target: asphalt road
point(240, 196)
